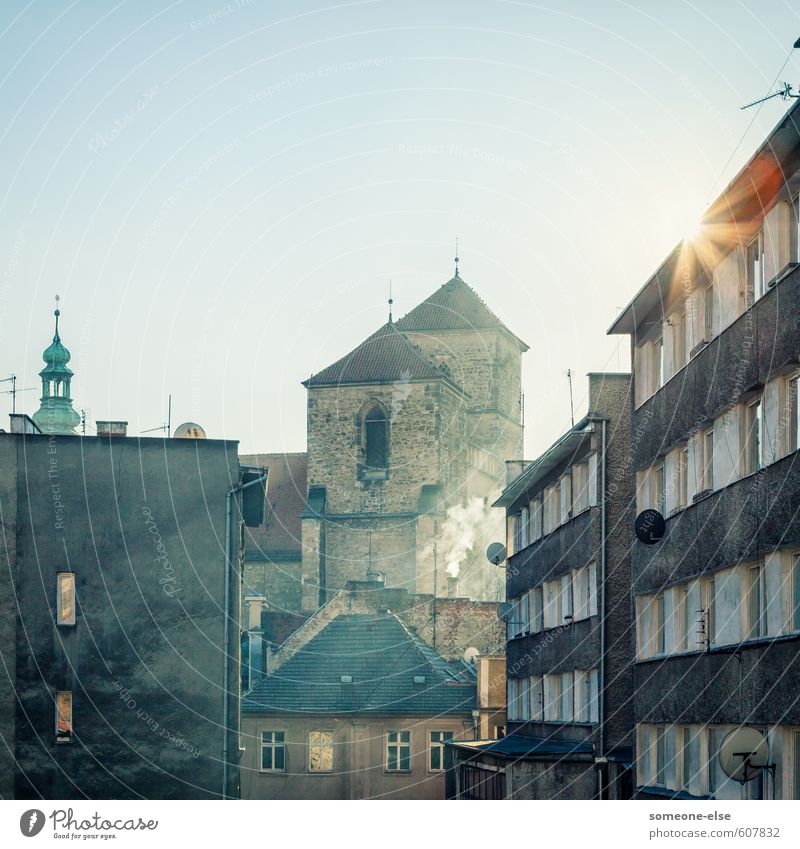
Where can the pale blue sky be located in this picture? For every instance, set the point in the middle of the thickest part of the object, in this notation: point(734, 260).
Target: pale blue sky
point(220, 192)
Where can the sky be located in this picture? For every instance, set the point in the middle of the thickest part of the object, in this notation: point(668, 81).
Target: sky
point(221, 192)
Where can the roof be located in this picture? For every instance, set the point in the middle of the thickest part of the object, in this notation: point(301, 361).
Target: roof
point(454, 306)
point(279, 536)
point(382, 656)
point(387, 355)
point(561, 450)
point(745, 197)
point(518, 746)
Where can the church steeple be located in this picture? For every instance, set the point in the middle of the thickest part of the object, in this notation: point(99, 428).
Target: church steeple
point(55, 414)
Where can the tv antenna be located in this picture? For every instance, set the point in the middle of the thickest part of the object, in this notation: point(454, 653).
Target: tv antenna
point(571, 404)
point(13, 391)
point(167, 425)
point(784, 92)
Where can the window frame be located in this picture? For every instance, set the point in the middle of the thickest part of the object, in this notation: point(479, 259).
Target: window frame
point(400, 744)
point(708, 458)
point(273, 745)
point(60, 618)
point(439, 746)
point(753, 435)
point(708, 311)
point(64, 712)
point(322, 746)
point(756, 284)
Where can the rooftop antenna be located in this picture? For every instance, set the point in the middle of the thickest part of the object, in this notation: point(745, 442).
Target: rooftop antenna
point(391, 301)
point(13, 391)
point(167, 425)
point(571, 405)
point(784, 92)
point(456, 256)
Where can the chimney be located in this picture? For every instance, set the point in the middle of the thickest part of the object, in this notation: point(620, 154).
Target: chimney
point(254, 603)
point(109, 428)
point(513, 469)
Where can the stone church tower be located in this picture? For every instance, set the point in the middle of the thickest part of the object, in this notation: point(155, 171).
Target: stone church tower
point(419, 418)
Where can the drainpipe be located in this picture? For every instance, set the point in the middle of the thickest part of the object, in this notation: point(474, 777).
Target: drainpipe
point(229, 496)
point(601, 686)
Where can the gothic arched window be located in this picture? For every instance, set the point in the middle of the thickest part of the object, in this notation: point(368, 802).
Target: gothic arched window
point(376, 438)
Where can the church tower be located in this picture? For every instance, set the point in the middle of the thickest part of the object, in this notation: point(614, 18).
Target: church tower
point(55, 414)
point(417, 419)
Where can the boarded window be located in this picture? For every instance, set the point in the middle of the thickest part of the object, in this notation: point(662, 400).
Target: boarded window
point(320, 751)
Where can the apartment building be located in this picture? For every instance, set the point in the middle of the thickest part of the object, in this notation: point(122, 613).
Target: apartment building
point(569, 629)
point(715, 338)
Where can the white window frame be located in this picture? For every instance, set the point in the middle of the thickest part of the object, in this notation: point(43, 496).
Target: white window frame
point(753, 435)
point(274, 745)
point(402, 741)
point(438, 745)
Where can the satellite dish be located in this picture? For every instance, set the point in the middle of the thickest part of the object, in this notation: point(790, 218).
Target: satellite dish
point(496, 553)
point(743, 754)
point(470, 654)
point(649, 526)
point(189, 430)
point(504, 611)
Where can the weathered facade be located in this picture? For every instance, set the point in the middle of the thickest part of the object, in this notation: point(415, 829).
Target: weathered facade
point(715, 339)
point(356, 706)
point(569, 648)
point(417, 420)
point(112, 594)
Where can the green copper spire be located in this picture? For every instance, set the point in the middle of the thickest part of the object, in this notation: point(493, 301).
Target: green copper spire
point(55, 415)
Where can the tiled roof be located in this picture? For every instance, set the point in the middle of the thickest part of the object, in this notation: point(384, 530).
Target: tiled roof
point(382, 656)
point(386, 355)
point(453, 306)
point(278, 537)
point(518, 746)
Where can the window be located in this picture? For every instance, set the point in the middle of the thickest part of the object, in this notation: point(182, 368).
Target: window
point(65, 598)
point(551, 614)
point(756, 592)
point(679, 341)
point(657, 364)
point(683, 478)
point(753, 430)
point(708, 311)
point(398, 751)
point(567, 696)
point(552, 698)
point(64, 716)
point(376, 439)
point(566, 598)
point(535, 609)
point(794, 230)
point(795, 618)
point(273, 751)
point(440, 756)
point(755, 269)
point(796, 753)
point(320, 751)
point(661, 756)
point(523, 528)
point(690, 755)
point(536, 698)
point(793, 436)
point(658, 624)
point(536, 519)
point(708, 459)
point(580, 488)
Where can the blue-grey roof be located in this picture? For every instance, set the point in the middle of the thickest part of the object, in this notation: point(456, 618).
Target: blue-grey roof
point(518, 746)
point(381, 655)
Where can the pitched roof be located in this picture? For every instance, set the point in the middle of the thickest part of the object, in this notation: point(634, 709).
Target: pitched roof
point(382, 656)
point(454, 306)
point(278, 537)
point(385, 356)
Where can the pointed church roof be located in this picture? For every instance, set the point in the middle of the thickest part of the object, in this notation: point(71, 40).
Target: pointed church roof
point(454, 306)
point(387, 355)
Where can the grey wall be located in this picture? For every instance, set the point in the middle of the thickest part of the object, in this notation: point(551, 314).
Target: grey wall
point(145, 660)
